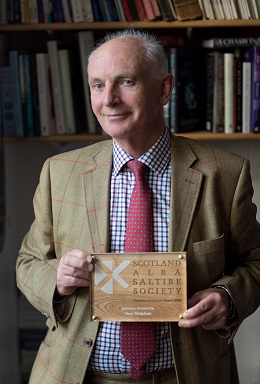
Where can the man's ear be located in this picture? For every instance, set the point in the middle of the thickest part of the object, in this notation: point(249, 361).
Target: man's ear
point(166, 88)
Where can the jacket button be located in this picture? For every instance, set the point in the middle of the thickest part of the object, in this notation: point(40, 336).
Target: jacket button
point(88, 342)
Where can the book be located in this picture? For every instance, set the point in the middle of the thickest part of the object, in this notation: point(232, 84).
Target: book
point(66, 86)
point(25, 11)
point(218, 97)
point(187, 10)
point(34, 93)
point(209, 92)
point(230, 42)
point(77, 11)
point(228, 92)
point(86, 44)
point(77, 87)
point(127, 11)
point(120, 10)
point(15, 73)
point(238, 90)
point(97, 12)
point(47, 119)
point(186, 103)
point(140, 9)
point(148, 8)
point(87, 11)
point(25, 70)
point(52, 47)
point(67, 11)
point(33, 11)
point(7, 104)
point(165, 10)
point(40, 11)
point(246, 96)
point(253, 55)
point(156, 8)
point(208, 10)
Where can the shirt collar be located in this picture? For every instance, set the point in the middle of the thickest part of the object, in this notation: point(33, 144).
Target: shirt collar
point(157, 157)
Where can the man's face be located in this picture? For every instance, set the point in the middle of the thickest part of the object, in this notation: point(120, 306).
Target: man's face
point(124, 96)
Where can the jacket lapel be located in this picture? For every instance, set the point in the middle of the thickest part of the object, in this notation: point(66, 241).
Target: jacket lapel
point(185, 188)
point(97, 197)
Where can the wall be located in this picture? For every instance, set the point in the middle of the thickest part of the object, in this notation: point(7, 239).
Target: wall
point(23, 164)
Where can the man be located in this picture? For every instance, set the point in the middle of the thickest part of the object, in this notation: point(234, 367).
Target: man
point(202, 203)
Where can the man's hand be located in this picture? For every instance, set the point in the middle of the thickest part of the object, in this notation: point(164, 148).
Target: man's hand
point(208, 308)
point(73, 272)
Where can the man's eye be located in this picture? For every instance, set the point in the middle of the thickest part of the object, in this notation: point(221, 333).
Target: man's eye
point(97, 86)
point(128, 82)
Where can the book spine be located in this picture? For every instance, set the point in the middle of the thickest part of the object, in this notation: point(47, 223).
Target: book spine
point(86, 44)
point(238, 91)
point(33, 11)
point(149, 12)
point(255, 110)
point(7, 104)
point(156, 8)
point(140, 9)
point(218, 98)
point(47, 121)
point(29, 129)
point(34, 93)
point(187, 10)
point(66, 11)
point(96, 10)
point(40, 11)
point(67, 90)
point(228, 92)
point(87, 11)
point(246, 97)
point(165, 10)
point(14, 65)
point(209, 90)
point(120, 10)
point(127, 11)
point(56, 86)
point(77, 11)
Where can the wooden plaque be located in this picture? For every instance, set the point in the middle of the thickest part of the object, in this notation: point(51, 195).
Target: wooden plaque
point(139, 286)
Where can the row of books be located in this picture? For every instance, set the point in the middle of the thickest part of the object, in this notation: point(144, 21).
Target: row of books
point(215, 89)
point(47, 93)
point(233, 85)
point(47, 11)
point(230, 9)
point(60, 11)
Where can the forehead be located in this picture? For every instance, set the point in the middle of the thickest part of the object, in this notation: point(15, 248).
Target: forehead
point(118, 54)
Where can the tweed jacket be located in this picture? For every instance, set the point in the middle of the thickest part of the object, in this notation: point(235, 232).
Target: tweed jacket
point(212, 217)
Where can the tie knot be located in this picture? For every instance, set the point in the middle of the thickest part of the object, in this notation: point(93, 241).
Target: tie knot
point(138, 168)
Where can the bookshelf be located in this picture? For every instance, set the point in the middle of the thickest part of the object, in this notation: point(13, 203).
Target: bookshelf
point(193, 27)
point(197, 27)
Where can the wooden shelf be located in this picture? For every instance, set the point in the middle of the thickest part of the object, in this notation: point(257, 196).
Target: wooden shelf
point(94, 138)
point(135, 24)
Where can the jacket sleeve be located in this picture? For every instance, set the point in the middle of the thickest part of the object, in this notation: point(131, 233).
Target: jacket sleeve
point(243, 249)
point(37, 262)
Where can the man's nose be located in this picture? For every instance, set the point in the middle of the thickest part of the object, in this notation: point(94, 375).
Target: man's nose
point(111, 95)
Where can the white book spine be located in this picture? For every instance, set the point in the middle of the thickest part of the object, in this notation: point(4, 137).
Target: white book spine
point(56, 87)
point(47, 121)
point(87, 11)
point(228, 92)
point(86, 44)
point(77, 11)
point(67, 90)
point(246, 97)
point(66, 11)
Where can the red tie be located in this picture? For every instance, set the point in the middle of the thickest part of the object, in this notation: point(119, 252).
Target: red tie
point(138, 338)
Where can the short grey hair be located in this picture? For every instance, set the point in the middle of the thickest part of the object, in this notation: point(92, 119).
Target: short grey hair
point(153, 49)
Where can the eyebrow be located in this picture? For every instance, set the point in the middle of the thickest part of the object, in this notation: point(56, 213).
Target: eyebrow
point(118, 77)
